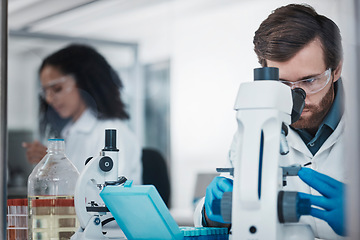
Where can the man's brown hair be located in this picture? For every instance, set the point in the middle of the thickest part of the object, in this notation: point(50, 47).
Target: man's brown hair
point(290, 28)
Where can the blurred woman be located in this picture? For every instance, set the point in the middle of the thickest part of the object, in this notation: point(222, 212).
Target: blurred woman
point(80, 98)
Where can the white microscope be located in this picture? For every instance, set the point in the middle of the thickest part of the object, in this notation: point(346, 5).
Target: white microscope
point(101, 171)
point(259, 209)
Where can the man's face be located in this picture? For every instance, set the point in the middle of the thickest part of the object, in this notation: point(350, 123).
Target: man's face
point(308, 63)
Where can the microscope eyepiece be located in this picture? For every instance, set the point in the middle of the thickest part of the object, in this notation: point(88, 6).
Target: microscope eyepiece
point(298, 95)
point(266, 73)
point(110, 140)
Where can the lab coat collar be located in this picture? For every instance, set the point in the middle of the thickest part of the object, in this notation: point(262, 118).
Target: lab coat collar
point(84, 124)
point(333, 138)
point(298, 144)
point(295, 141)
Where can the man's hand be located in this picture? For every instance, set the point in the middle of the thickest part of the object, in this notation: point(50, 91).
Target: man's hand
point(35, 151)
point(215, 191)
point(332, 201)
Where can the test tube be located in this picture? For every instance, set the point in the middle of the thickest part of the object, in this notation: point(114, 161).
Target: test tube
point(17, 219)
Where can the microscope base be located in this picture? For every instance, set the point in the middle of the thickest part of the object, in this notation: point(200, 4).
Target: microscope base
point(93, 231)
point(298, 232)
point(292, 232)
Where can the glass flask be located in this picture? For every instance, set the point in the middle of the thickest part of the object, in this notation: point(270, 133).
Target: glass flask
point(51, 188)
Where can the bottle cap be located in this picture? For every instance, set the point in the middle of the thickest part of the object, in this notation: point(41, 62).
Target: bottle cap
point(56, 144)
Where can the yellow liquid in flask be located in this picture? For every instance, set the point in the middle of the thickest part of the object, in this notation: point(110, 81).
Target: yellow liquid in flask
point(52, 217)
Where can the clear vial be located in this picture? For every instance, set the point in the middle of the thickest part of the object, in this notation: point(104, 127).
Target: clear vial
point(51, 188)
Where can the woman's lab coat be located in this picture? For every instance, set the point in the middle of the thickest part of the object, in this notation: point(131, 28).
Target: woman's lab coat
point(86, 138)
point(328, 160)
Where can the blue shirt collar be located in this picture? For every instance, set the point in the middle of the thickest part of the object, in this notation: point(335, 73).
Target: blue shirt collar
point(333, 117)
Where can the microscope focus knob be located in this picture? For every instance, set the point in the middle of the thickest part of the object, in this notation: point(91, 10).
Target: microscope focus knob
point(106, 164)
point(291, 207)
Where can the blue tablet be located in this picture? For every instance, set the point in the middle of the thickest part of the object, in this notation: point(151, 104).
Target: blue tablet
point(140, 212)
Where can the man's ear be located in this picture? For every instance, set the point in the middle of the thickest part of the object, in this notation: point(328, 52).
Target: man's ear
point(337, 71)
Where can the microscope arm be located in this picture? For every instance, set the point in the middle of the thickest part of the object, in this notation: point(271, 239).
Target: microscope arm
point(99, 171)
point(262, 107)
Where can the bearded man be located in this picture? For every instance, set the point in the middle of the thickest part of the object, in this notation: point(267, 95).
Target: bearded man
point(306, 48)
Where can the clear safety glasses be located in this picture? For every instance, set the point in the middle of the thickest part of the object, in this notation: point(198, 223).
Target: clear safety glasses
point(311, 85)
point(57, 87)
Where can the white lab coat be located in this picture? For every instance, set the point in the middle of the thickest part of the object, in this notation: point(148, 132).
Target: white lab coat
point(328, 160)
point(86, 138)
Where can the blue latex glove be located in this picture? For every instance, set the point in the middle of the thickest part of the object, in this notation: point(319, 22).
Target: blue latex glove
point(214, 193)
point(332, 201)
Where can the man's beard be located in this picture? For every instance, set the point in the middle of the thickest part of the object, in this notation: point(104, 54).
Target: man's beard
point(318, 113)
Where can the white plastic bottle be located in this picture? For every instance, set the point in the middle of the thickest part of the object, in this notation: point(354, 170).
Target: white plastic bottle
point(51, 188)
